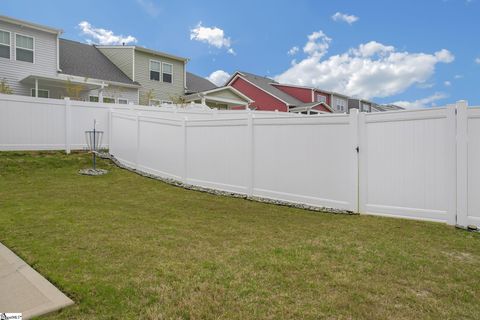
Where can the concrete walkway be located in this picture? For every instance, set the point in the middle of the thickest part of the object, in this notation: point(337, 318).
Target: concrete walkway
point(24, 290)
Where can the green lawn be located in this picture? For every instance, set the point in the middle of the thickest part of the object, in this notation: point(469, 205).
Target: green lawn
point(125, 247)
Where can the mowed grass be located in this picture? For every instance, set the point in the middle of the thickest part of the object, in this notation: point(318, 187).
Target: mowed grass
point(126, 247)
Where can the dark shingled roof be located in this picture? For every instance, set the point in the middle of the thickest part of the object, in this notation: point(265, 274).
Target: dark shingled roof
point(198, 84)
point(83, 60)
point(265, 84)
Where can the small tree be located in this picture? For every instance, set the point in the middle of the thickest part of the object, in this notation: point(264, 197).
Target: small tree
point(179, 100)
point(4, 87)
point(73, 90)
point(149, 95)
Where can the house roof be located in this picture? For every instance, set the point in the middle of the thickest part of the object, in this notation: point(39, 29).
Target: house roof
point(197, 84)
point(146, 50)
point(30, 25)
point(80, 59)
point(265, 84)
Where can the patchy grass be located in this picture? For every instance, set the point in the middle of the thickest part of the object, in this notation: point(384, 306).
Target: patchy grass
point(126, 247)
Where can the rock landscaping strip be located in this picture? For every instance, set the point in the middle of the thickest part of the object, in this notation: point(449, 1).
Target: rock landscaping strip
point(224, 193)
point(92, 172)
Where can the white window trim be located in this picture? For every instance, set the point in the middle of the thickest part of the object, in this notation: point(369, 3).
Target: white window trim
point(31, 92)
point(92, 96)
point(322, 98)
point(10, 44)
point(123, 99)
point(33, 50)
point(150, 70)
point(171, 65)
point(150, 102)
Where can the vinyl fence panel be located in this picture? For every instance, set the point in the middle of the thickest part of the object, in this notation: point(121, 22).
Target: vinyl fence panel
point(468, 165)
point(407, 164)
point(310, 160)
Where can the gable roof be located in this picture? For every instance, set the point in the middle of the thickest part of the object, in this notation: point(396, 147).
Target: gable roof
point(197, 84)
point(265, 84)
point(80, 59)
point(145, 50)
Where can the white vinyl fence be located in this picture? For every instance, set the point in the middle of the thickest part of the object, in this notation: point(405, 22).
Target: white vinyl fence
point(418, 164)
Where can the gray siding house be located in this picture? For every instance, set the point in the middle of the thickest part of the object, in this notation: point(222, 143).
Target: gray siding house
point(27, 52)
point(161, 75)
point(35, 61)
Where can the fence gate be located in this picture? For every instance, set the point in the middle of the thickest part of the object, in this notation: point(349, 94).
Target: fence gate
point(468, 165)
point(407, 164)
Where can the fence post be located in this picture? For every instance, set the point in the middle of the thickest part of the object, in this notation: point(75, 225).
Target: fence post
point(137, 122)
point(68, 125)
point(250, 154)
point(462, 164)
point(355, 147)
point(110, 129)
point(184, 151)
point(362, 161)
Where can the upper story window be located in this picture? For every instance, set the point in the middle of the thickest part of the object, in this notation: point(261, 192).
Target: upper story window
point(108, 100)
point(24, 48)
point(5, 44)
point(154, 70)
point(321, 98)
point(341, 105)
point(167, 72)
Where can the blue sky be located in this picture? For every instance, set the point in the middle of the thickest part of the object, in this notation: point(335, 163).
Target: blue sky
point(419, 53)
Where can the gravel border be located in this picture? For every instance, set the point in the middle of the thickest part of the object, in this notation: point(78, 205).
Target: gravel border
point(224, 193)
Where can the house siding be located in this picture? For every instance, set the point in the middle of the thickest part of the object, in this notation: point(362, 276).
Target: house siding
point(227, 94)
point(160, 90)
point(45, 58)
point(302, 94)
point(121, 57)
point(262, 100)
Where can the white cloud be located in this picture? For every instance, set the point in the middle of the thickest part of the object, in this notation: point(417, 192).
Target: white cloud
point(422, 103)
point(293, 51)
point(348, 18)
point(150, 7)
point(458, 76)
point(213, 36)
point(103, 36)
point(477, 60)
point(219, 77)
point(317, 44)
point(447, 83)
point(370, 70)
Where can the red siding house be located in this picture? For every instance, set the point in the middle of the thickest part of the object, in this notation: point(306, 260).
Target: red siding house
point(270, 95)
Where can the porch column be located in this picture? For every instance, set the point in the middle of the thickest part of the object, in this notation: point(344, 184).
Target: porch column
point(203, 101)
point(36, 88)
point(100, 92)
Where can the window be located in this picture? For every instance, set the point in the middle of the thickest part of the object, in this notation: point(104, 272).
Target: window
point(5, 44)
point(41, 93)
point(153, 102)
point(154, 70)
point(167, 102)
point(93, 98)
point(108, 100)
point(122, 101)
point(321, 98)
point(24, 48)
point(167, 72)
point(341, 105)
